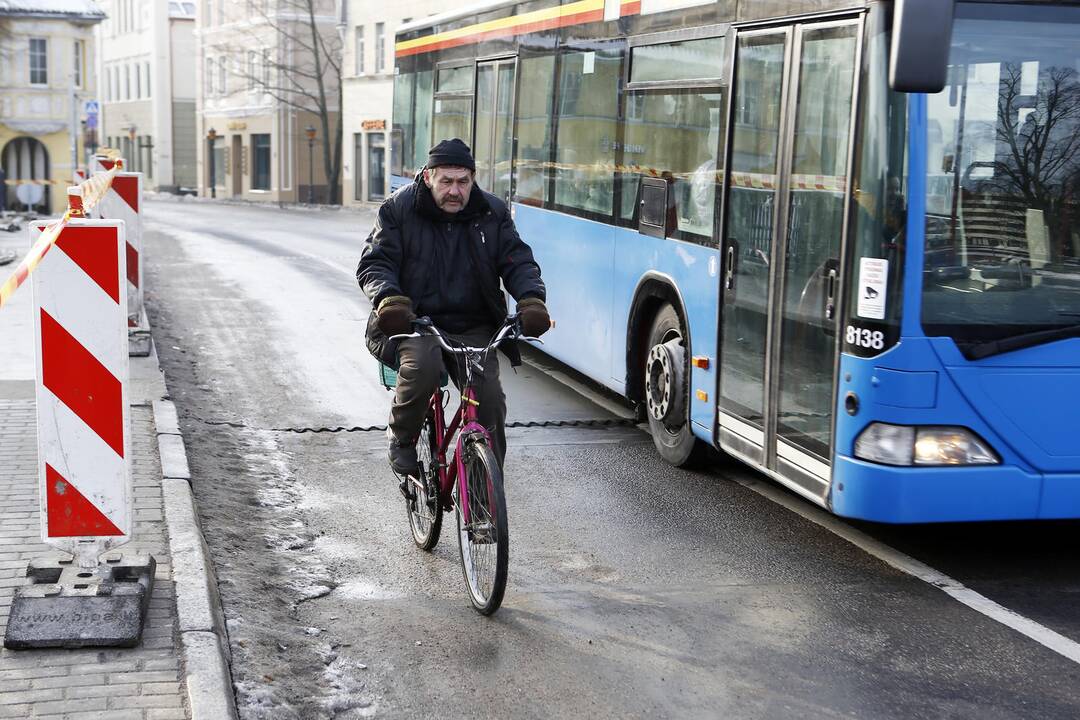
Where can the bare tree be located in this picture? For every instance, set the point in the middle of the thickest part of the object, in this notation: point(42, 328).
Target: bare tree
point(1039, 156)
point(302, 70)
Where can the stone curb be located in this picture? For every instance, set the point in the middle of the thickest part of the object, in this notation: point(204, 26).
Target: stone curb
point(209, 683)
point(174, 465)
point(200, 620)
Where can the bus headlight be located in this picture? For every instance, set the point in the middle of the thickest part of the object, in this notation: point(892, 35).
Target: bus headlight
point(886, 444)
point(952, 446)
point(910, 445)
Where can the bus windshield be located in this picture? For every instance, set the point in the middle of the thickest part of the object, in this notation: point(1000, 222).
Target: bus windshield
point(1003, 185)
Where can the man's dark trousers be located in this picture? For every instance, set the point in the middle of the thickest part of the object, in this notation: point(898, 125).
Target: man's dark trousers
point(422, 363)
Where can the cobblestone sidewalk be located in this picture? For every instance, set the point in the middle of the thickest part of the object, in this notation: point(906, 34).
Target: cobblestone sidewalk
point(141, 683)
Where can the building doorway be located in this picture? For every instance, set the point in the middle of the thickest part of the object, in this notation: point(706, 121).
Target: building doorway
point(26, 158)
point(376, 166)
point(237, 153)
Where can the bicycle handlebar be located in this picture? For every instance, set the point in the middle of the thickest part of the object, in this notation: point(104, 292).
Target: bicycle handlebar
point(504, 333)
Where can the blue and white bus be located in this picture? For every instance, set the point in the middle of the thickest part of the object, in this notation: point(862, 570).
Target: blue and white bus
point(857, 272)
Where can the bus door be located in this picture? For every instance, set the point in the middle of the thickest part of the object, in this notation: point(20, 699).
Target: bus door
point(493, 145)
point(784, 227)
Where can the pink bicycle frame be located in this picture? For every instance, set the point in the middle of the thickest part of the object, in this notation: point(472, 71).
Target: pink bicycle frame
point(466, 419)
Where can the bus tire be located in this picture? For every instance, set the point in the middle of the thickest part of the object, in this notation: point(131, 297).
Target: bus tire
point(666, 390)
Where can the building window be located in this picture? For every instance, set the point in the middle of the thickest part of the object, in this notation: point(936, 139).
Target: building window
point(147, 163)
point(208, 80)
point(208, 11)
point(223, 79)
point(138, 80)
point(39, 61)
point(77, 67)
point(252, 69)
point(380, 47)
point(221, 12)
point(360, 50)
point(260, 151)
point(266, 70)
point(146, 71)
point(127, 82)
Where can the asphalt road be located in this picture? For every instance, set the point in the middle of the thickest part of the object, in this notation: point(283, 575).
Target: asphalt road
point(636, 590)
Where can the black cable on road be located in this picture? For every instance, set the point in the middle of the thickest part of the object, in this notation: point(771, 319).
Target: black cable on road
point(591, 423)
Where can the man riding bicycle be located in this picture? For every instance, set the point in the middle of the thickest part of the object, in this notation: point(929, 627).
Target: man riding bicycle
point(439, 248)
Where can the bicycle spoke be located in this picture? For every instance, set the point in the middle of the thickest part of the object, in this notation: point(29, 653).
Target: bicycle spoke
point(424, 520)
point(481, 541)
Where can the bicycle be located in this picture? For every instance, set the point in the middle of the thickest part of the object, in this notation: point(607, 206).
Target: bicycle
point(471, 484)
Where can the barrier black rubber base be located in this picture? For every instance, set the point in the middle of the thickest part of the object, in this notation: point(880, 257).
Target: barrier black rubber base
point(138, 343)
point(70, 607)
point(139, 340)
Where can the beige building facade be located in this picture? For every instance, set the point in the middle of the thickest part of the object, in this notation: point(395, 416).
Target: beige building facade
point(46, 80)
point(368, 94)
point(260, 137)
point(147, 82)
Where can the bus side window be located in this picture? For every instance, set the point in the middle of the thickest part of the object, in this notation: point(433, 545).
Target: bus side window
point(421, 121)
point(587, 141)
point(532, 165)
point(674, 133)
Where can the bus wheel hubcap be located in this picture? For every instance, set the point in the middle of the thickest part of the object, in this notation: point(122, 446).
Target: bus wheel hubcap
point(664, 375)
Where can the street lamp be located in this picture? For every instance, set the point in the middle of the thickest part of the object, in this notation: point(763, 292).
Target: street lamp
point(211, 136)
point(310, 132)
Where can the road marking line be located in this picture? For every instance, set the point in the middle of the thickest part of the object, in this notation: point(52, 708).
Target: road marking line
point(1041, 634)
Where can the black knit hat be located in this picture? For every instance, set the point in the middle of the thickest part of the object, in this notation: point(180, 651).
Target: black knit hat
point(451, 152)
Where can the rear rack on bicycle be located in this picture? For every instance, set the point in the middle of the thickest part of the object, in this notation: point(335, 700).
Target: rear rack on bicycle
point(387, 376)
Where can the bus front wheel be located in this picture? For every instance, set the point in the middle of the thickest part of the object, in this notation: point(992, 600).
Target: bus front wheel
point(667, 389)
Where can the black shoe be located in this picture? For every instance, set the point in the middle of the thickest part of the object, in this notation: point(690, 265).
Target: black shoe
point(403, 459)
point(404, 486)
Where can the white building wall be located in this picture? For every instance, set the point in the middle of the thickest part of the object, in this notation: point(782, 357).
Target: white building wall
point(368, 96)
point(183, 62)
point(138, 84)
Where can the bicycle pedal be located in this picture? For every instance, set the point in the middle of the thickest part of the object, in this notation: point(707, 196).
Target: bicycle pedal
point(405, 486)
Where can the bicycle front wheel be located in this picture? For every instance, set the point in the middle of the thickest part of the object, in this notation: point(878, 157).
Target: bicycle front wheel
point(483, 533)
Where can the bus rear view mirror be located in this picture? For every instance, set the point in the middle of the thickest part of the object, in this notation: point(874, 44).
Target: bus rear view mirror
point(919, 58)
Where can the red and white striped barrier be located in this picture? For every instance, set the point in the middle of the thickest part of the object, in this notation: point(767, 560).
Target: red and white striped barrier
point(103, 163)
point(84, 443)
point(122, 202)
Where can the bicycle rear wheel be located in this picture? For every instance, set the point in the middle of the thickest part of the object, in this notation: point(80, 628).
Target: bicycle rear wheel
point(485, 539)
point(425, 515)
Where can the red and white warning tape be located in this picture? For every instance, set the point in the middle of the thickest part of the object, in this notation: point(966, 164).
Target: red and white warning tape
point(89, 194)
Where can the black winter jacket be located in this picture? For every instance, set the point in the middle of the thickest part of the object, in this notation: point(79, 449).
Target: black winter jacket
point(399, 258)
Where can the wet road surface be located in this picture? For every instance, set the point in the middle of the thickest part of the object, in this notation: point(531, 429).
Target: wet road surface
point(636, 590)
